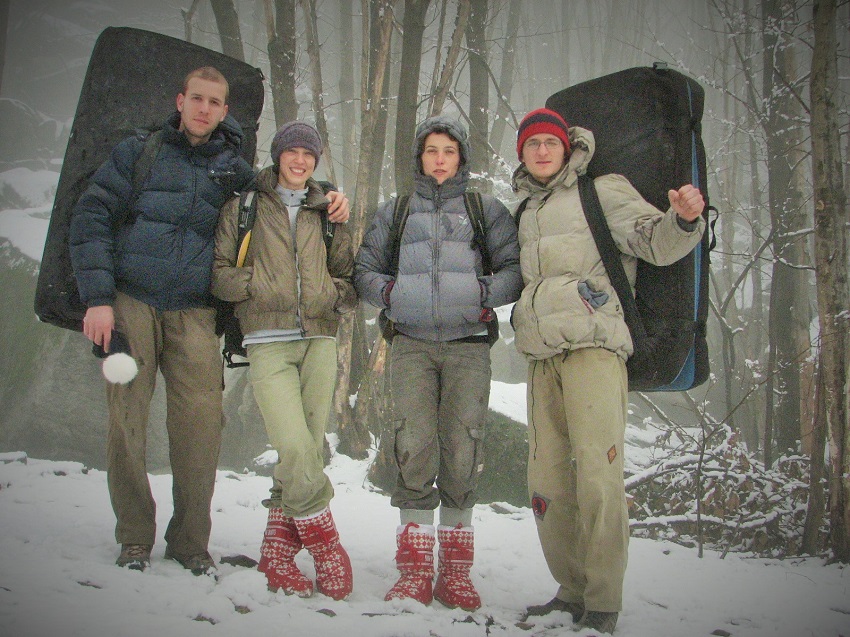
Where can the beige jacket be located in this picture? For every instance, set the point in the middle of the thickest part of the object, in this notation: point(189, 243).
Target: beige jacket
point(273, 285)
point(557, 252)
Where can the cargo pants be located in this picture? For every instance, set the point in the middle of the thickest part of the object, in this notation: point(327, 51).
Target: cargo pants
point(182, 345)
point(440, 394)
point(577, 406)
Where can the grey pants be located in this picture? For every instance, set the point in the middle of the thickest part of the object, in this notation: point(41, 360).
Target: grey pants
point(183, 345)
point(440, 394)
point(576, 425)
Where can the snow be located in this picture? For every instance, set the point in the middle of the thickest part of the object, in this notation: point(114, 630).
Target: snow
point(57, 572)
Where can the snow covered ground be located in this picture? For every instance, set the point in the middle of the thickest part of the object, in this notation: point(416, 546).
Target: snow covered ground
point(58, 578)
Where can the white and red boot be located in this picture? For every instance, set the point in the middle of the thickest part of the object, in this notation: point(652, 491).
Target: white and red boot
point(454, 588)
point(415, 561)
point(277, 556)
point(333, 566)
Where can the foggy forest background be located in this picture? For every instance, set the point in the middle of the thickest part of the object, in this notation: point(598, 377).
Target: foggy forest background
point(756, 459)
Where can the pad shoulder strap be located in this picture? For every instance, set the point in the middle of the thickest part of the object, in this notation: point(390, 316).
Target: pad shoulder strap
point(610, 255)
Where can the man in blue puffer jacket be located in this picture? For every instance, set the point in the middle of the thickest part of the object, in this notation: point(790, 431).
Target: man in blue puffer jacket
point(148, 278)
point(440, 301)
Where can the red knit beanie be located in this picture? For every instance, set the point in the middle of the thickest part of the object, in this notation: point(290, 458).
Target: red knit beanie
point(542, 121)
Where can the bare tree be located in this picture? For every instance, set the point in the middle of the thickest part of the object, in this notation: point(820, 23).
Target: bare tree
point(441, 91)
point(479, 93)
point(354, 434)
point(348, 109)
point(309, 8)
point(228, 28)
point(280, 27)
point(506, 77)
point(789, 308)
point(831, 250)
point(4, 26)
point(408, 89)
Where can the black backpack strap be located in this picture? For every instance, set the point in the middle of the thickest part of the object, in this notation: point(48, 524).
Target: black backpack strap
point(610, 256)
point(475, 212)
point(141, 171)
point(401, 207)
point(520, 209)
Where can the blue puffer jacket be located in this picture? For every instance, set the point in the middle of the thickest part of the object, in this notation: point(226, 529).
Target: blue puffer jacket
point(165, 257)
point(440, 288)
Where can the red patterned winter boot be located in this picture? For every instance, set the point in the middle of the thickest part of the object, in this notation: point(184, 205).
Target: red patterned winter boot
point(333, 567)
point(454, 588)
point(280, 545)
point(415, 561)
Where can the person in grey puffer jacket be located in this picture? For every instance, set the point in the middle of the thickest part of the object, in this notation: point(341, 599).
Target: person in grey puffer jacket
point(569, 323)
point(440, 301)
point(148, 279)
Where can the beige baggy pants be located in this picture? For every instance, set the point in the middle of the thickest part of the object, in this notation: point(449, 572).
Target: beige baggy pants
point(577, 406)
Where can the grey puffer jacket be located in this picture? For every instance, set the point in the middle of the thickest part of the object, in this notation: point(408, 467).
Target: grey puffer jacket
point(440, 288)
point(558, 253)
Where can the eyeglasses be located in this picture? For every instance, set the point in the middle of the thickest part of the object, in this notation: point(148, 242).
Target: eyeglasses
point(550, 144)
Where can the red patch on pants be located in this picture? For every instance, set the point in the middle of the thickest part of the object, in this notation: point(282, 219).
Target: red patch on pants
point(539, 504)
point(612, 454)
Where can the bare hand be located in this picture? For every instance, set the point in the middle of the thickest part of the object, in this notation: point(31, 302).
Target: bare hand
point(98, 324)
point(687, 202)
point(338, 210)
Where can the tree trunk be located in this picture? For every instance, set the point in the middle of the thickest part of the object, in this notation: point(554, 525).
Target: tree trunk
point(309, 8)
point(356, 434)
point(280, 25)
point(810, 543)
point(408, 90)
point(789, 315)
point(228, 28)
point(506, 79)
point(831, 264)
point(438, 99)
point(347, 95)
point(479, 94)
point(4, 27)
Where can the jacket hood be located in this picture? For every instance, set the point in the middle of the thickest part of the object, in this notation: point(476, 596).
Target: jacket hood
point(441, 124)
point(583, 146)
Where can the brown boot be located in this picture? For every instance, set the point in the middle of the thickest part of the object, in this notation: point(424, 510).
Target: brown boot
point(333, 567)
point(454, 588)
point(415, 561)
point(277, 556)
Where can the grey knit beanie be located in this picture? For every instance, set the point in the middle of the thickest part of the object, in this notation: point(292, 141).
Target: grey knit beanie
point(296, 135)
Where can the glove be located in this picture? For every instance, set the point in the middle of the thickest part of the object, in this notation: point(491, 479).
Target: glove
point(487, 315)
point(593, 298)
point(385, 295)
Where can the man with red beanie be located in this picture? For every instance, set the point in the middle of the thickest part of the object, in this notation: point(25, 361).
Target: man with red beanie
point(569, 323)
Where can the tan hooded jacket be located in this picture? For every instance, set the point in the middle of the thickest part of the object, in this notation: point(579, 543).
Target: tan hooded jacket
point(557, 252)
point(273, 285)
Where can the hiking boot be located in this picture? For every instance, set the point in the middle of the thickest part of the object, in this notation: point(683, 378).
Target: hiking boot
point(198, 564)
point(598, 620)
point(556, 605)
point(136, 557)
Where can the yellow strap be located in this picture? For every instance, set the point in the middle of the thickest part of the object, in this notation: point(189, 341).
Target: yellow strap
point(243, 250)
